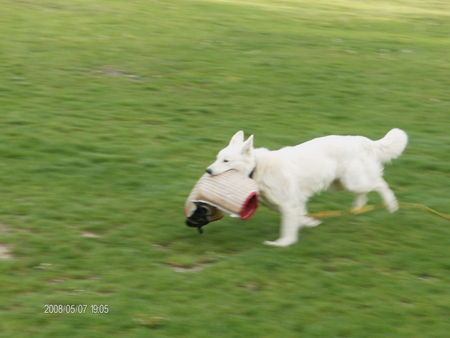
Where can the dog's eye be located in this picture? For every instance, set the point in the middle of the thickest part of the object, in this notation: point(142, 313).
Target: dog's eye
point(226, 161)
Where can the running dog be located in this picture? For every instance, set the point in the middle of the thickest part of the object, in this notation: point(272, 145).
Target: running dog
point(288, 177)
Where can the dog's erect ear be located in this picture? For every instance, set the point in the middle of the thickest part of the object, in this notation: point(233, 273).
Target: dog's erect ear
point(237, 138)
point(248, 146)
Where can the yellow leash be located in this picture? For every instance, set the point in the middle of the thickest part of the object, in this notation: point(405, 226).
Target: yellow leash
point(367, 208)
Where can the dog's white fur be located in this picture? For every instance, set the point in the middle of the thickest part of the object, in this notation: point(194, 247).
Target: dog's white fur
point(288, 177)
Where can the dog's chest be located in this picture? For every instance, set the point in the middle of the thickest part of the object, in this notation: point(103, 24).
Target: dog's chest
point(266, 197)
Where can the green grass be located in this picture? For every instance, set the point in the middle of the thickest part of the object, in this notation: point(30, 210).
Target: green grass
point(111, 110)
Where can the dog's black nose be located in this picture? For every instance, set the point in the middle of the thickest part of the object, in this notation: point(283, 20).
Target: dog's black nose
point(209, 171)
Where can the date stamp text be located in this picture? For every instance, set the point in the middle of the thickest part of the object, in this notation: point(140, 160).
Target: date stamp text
point(76, 308)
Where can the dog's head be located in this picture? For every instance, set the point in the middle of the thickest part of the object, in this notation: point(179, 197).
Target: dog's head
point(238, 155)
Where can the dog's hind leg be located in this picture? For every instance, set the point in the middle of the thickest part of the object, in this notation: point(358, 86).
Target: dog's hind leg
point(387, 195)
point(360, 201)
point(359, 178)
point(363, 182)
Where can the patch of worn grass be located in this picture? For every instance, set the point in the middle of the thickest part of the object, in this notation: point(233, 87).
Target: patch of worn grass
point(110, 111)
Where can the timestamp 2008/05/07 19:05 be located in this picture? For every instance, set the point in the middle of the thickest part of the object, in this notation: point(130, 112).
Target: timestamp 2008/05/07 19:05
point(76, 308)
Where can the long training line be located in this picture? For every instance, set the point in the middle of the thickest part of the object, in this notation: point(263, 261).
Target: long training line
point(367, 208)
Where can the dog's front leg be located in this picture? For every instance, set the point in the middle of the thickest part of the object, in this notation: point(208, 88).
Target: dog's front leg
point(290, 225)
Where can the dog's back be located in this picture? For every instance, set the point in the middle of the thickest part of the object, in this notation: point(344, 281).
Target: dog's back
point(347, 148)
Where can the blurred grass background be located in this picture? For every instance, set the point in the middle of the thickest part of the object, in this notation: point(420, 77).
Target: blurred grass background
point(111, 110)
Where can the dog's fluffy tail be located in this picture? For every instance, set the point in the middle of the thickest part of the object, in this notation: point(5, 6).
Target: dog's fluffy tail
point(391, 145)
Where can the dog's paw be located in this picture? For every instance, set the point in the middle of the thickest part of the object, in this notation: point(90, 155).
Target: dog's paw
point(311, 222)
point(393, 206)
point(280, 242)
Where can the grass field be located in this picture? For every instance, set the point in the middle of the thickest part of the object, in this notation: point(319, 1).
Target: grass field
point(111, 110)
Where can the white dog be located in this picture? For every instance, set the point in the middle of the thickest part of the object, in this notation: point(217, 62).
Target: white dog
point(288, 177)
